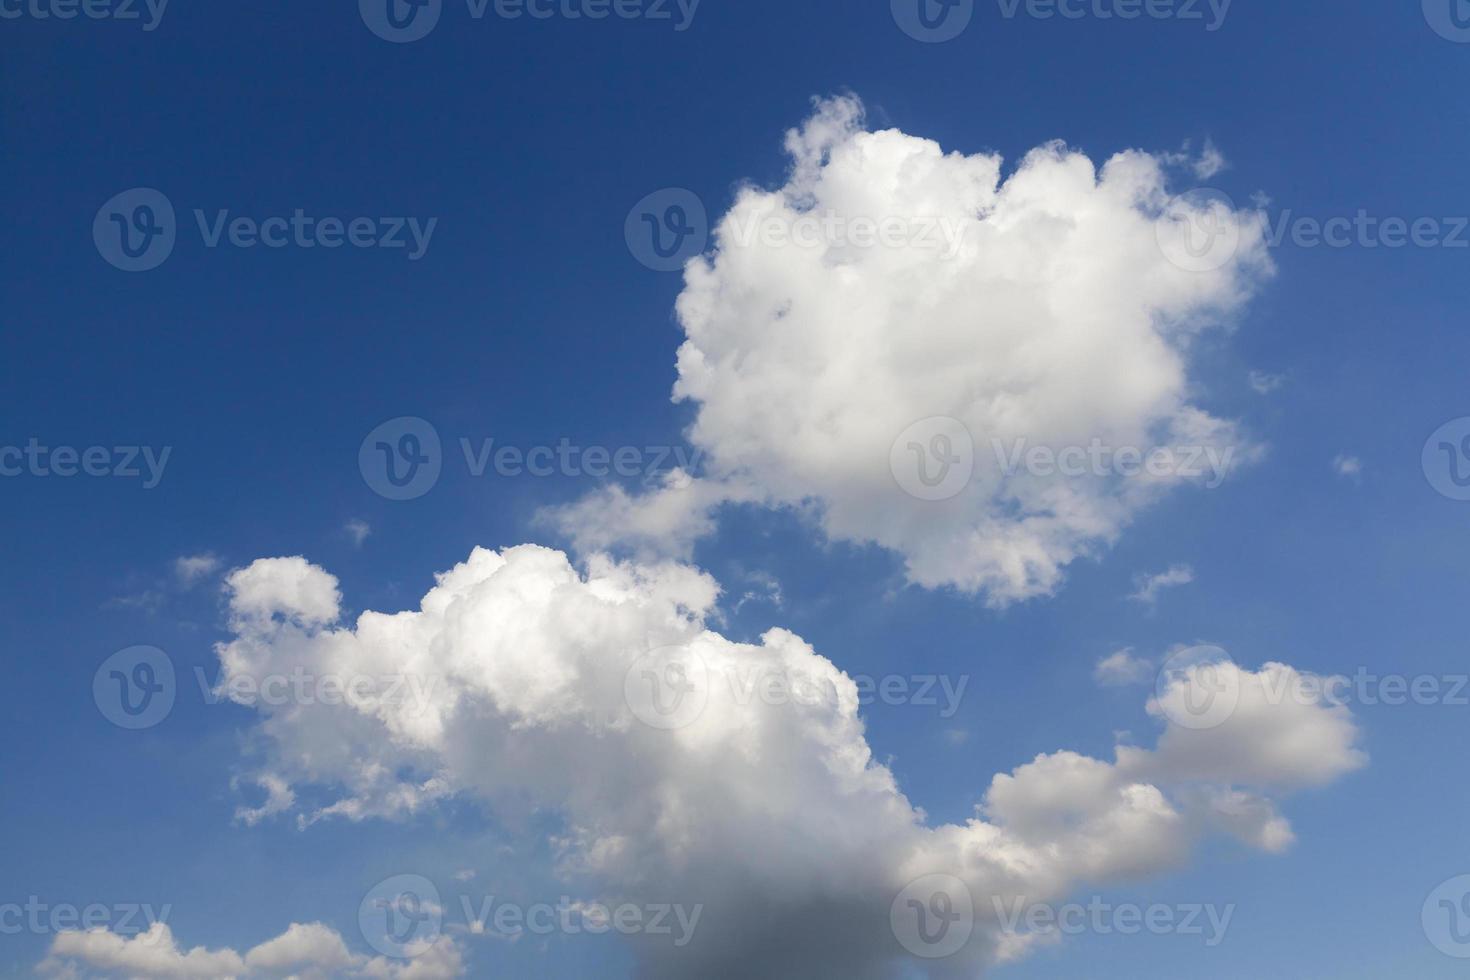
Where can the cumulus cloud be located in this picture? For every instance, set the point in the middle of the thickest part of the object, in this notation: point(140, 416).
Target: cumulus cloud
point(887, 283)
point(304, 952)
point(1121, 668)
point(685, 768)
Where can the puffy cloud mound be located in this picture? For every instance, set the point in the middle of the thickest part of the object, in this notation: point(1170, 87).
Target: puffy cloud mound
point(302, 952)
point(889, 283)
point(688, 769)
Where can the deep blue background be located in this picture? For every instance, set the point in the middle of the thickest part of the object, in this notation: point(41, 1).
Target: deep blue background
point(529, 321)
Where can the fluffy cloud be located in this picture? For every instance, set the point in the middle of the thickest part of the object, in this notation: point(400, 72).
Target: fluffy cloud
point(302, 952)
point(1053, 308)
point(686, 768)
point(1121, 668)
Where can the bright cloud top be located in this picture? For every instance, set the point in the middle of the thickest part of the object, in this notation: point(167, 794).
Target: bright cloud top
point(888, 287)
point(605, 699)
point(302, 952)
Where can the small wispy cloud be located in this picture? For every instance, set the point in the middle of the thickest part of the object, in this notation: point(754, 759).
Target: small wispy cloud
point(190, 570)
point(1122, 669)
point(279, 798)
point(153, 592)
point(1149, 587)
point(1264, 383)
point(1210, 162)
point(767, 589)
point(1348, 467)
point(358, 531)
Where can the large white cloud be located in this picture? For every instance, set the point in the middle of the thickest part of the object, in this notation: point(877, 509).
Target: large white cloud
point(888, 283)
point(768, 809)
point(303, 952)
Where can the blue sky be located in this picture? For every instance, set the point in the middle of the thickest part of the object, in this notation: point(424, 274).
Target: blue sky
point(528, 320)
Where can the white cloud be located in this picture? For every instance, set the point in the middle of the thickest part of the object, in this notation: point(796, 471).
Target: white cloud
point(358, 531)
point(1348, 467)
point(302, 952)
point(773, 815)
point(1265, 384)
point(1122, 668)
point(1210, 163)
point(279, 799)
point(289, 587)
point(1150, 586)
point(1060, 319)
point(190, 570)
